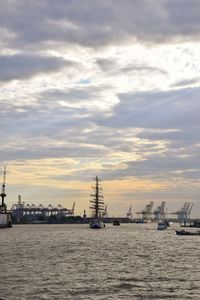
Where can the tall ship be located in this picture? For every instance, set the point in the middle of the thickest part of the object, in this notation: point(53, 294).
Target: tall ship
point(5, 216)
point(97, 206)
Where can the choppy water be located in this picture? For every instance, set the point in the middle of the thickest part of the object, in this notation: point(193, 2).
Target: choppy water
point(74, 262)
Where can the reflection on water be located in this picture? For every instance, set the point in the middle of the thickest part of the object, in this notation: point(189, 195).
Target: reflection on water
point(130, 261)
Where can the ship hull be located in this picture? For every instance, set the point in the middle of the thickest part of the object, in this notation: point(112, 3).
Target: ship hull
point(116, 223)
point(183, 232)
point(96, 224)
point(162, 225)
point(5, 220)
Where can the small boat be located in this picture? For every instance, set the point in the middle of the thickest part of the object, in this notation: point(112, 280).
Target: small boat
point(96, 224)
point(184, 232)
point(116, 223)
point(5, 216)
point(97, 206)
point(139, 221)
point(162, 225)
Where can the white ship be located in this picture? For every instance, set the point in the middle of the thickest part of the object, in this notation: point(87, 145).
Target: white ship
point(5, 216)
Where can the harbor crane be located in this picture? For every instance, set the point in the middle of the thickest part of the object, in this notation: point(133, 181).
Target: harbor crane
point(3, 207)
point(147, 211)
point(183, 215)
point(159, 212)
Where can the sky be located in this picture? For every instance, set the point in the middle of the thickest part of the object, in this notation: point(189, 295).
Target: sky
point(108, 88)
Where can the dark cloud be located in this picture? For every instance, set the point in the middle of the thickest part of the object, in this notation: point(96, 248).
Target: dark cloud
point(158, 167)
point(97, 23)
point(81, 129)
point(186, 82)
point(113, 66)
point(22, 66)
point(71, 95)
point(184, 137)
point(107, 65)
point(168, 110)
point(142, 68)
point(163, 166)
point(46, 119)
point(34, 151)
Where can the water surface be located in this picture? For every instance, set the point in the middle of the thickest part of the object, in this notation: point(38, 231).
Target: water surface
point(131, 261)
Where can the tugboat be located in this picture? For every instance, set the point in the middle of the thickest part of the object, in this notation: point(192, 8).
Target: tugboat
point(5, 216)
point(97, 205)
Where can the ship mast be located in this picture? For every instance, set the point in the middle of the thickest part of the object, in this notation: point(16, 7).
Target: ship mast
point(3, 193)
point(97, 201)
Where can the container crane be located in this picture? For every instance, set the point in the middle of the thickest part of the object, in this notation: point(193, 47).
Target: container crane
point(159, 212)
point(147, 212)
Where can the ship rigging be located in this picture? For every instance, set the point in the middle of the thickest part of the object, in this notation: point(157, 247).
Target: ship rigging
point(97, 206)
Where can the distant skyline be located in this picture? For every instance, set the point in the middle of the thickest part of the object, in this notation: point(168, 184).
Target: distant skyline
point(108, 88)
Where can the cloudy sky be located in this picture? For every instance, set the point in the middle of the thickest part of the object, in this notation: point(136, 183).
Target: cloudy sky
point(108, 88)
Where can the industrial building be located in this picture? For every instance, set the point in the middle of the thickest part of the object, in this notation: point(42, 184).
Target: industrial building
point(22, 212)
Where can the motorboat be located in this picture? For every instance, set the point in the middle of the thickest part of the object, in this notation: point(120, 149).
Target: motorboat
point(116, 222)
point(184, 232)
point(96, 224)
point(162, 225)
